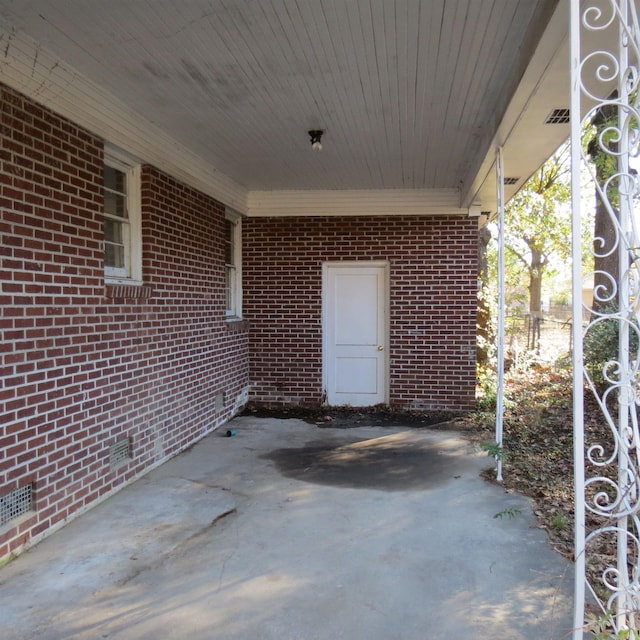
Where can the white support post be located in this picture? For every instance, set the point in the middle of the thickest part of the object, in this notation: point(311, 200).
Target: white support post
point(501, 311)
point(606, 82)
point(578, 384)
point(624, 354)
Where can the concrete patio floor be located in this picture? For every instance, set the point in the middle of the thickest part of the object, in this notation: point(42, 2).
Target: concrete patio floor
point(290, 531)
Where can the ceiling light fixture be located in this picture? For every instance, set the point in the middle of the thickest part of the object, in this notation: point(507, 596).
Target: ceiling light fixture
point(316, 139)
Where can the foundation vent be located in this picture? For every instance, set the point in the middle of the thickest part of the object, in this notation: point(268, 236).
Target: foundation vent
point(511, 180)
point(559, 116)
point(119, 453)
point(16, 503)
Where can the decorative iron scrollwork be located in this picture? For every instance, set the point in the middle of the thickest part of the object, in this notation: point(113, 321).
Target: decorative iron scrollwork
point(606, 80)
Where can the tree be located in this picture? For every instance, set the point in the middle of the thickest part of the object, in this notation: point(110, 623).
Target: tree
point(605, 244)
point(538, 227)
point(486, 335)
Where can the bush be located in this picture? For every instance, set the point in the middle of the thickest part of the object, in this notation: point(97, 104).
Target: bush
point(600, 350)
point(486, 386)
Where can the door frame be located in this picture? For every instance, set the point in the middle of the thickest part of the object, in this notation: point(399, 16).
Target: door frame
point(350, 264)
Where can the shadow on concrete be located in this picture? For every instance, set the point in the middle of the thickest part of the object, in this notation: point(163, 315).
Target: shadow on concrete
point(399, 462)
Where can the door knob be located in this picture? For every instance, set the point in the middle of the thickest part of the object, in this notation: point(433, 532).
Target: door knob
point(380, 348)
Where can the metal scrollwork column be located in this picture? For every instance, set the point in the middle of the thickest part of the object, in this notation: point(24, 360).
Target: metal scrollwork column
point(605, 80)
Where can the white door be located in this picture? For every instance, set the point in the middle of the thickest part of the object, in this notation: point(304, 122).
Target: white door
point(355, 333)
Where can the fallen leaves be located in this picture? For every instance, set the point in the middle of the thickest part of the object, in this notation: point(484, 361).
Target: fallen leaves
point(538, 445)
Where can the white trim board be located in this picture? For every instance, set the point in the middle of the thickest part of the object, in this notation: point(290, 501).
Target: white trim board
point(375, 202)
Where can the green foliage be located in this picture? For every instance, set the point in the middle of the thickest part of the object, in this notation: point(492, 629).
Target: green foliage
point(601, 349)
point(601, 141)
point(494, 450)
point(538, 224)
point(559, 522)
point(600, 138)
point(487, 386)
point(602, 628)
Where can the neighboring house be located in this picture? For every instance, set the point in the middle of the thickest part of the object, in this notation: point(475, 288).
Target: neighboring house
point(173, 248)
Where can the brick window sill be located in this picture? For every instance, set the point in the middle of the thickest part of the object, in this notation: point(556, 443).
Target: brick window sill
point(127, 291)
point(236, 325)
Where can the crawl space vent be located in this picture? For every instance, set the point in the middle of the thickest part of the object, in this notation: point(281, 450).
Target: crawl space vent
point(16, 503)
point(511, 180)
point(559, 116)
point(119, 453)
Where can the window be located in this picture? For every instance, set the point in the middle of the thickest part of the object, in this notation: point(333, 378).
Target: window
point(233, 263)
point(122, 241)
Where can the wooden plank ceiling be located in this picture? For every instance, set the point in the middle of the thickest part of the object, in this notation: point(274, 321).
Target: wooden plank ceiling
point(409, 92)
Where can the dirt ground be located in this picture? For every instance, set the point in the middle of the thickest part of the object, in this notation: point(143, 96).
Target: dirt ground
point(350, 418)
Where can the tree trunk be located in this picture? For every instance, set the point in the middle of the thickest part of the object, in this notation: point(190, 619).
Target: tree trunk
point(606, 267)
point(535, 299)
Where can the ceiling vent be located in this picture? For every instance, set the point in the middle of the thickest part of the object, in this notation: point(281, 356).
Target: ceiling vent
point(559, 116)
point(511, 180)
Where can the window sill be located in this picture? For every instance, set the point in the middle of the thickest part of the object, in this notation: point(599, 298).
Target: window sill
point(237, 324)
point(127, 290)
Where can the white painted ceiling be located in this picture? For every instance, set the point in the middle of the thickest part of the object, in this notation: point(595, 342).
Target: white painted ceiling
point(410, 93)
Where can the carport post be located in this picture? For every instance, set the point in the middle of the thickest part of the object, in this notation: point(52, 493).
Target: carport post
point(576, 284)
point(501, 310)
point(605, 78)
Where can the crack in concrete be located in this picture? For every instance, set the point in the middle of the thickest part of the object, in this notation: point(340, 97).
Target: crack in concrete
point(177, 549)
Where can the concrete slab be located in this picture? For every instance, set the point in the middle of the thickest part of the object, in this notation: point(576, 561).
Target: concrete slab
point(129, 533)
point(374, 533)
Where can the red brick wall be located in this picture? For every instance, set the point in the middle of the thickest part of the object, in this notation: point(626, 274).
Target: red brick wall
point(433, 280)
point(83, 364)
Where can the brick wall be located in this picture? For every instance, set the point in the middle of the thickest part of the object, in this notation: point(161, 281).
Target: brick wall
point(83, 365)
point(433, 280)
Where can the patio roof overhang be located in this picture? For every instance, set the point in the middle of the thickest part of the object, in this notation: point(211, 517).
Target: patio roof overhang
point(413, 97)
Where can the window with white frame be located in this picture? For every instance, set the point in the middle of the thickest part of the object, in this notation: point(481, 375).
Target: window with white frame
point(233, 264)
point(122, 233)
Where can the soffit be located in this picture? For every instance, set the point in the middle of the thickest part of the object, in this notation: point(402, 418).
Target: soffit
point(410, 93)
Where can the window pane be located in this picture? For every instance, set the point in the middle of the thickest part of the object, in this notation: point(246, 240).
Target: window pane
point(115, 180)
point(229, 229)
point(231, 289)
point(114, 255)
point(113, 231)
point(115, 192)
point(115, 204)
point(114, 243)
